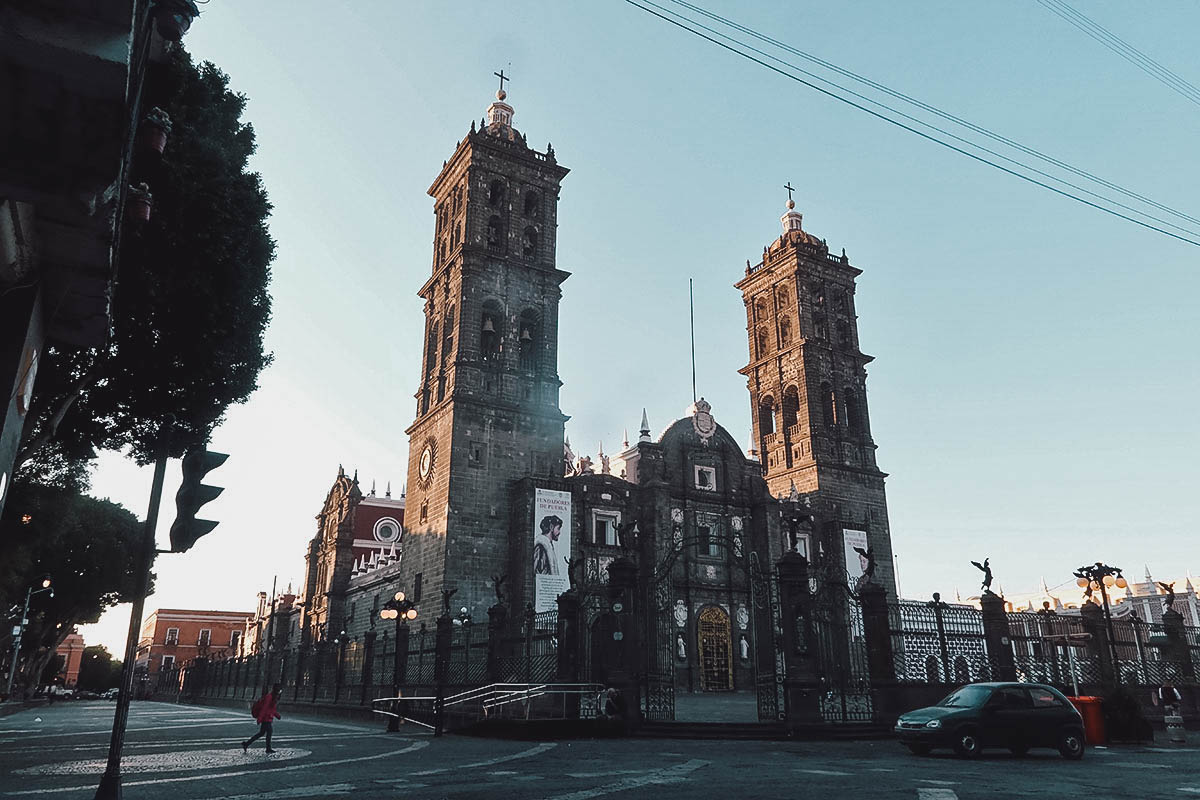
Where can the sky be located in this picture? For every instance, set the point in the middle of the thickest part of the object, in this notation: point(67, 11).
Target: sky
point(1033, 393)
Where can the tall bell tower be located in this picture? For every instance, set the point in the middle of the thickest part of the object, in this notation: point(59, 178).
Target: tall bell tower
point(487, 405)
point(807, 381)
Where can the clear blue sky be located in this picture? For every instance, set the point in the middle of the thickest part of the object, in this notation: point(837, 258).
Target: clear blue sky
point(1034, 392)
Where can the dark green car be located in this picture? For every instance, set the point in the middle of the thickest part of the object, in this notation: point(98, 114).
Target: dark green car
point(1016, 716)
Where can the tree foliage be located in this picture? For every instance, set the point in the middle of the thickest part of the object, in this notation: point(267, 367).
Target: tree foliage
point(88, 547)
point(191, 303)
point(98, 670)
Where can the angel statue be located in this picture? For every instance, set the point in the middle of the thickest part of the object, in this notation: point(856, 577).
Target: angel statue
point(446, 595)
point(497, 586)
point(568, 459)
point(1169, 590)
point(987, 574)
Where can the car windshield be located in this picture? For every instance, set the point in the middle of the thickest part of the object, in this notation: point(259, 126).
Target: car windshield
point(967, 697)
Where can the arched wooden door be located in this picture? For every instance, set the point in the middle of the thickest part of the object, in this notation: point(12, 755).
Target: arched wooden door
point(716, 650)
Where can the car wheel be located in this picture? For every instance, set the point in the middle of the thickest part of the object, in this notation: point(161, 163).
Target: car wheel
point(919, 749)
point(1070, 744)
point(966, 743)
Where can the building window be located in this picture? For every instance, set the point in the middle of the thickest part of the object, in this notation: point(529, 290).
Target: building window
point(710, 539)
point(764, 342)
point(785, 332)
point(791, 407)
point(528, 342)
point(533, 205)
point(495, 194)
point(424, 510)
point(828, 405)
point(604, 528)
point(706, 478)
point(766, 416)
point(416, 592)
point(854, 419)
point(477, 455)
point(529, 241)
point(205, 637)
point(431, 350)
point(235, 637)
point(168, 662)
point(172, 637)
point(489, 336)
point(495, 235)
point(843, 333)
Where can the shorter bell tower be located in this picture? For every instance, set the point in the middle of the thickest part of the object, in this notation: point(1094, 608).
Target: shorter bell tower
point(807, 381)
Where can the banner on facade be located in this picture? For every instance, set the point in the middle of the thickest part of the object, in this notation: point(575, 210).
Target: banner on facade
point(551, 547)
point(856, 563)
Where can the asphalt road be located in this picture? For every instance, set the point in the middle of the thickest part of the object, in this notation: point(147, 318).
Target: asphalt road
point(184, 752)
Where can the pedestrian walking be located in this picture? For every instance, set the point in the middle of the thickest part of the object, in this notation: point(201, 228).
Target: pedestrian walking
point(1168, 698)
point(265, 711)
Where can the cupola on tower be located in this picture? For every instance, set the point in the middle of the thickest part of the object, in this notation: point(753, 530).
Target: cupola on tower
point(487, 410)
point(807, 381)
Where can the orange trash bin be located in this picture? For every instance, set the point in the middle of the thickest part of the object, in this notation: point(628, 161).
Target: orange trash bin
point(1091, 709)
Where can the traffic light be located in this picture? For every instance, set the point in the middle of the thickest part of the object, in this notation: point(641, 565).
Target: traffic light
point(191, 495)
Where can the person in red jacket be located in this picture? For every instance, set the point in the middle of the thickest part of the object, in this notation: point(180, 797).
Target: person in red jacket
point(265, 711)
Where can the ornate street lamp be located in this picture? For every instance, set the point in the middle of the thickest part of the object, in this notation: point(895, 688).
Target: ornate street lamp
point(1100, 577)
point(403, 610)
point(19, 629)
point(172, 18)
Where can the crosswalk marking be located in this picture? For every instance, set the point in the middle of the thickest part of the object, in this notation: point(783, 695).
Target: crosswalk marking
point(930, 793)
point(675, 774)
point(937, 783)
point(824, 772)
point(533, 751)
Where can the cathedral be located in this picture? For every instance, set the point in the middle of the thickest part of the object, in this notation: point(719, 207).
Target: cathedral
point(494, 494)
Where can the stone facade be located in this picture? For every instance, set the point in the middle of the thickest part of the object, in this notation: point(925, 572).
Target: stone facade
point(807, 382)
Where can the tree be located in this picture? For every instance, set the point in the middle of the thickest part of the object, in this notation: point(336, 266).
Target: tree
point(98, 670)
point(88, 547)
point(191, 302)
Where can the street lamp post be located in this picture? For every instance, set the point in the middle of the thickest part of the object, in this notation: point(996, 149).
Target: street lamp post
point(19, 630)
point(1099, 577)
point(403, 610)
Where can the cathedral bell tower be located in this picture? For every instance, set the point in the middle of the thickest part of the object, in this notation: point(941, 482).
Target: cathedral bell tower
point(807, 381)
point(487, 409)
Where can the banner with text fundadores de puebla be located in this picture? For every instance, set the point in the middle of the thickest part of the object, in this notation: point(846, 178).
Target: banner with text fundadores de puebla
point(551, 546)
point(856, 563)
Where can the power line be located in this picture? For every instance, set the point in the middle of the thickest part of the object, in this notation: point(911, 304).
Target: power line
point(1124, 49)
point(925, 107)
point(911, 129)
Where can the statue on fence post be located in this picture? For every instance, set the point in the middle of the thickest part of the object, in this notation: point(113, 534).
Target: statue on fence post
point(446, 595)
point(498, 587)
point(1169, 589)
point(574, 565)
point(986, 569)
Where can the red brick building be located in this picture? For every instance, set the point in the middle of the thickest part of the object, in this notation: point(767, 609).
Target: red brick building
point(71, 651)
point(174, 636)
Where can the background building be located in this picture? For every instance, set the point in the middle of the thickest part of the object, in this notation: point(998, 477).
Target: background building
point(174, 636)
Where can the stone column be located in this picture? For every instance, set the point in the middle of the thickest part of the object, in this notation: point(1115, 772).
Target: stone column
point(497, 628)
point(996, 637)
point(801, 684)
point(441, 669)
point(1177, 647)
point(877, 629)
point(625, 672)
point(569, 626)
point(1097, 647)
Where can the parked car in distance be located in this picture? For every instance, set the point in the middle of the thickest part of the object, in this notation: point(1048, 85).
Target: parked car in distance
point(1016, 716)
point(110, 694)
point(62, 692)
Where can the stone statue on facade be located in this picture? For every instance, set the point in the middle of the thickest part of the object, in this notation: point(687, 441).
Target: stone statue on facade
point(498, 587)
point(574, 565)
point(568, 460)
point(625, 531)
point(584, 466)
point(446, 595)
point(1169, 590)
point(986, 569)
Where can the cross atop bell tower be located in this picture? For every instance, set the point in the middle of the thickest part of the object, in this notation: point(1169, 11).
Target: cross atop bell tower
point(487, 410)
point(807, 381)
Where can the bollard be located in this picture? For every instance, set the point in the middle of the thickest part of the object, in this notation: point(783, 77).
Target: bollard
point(1175, 732)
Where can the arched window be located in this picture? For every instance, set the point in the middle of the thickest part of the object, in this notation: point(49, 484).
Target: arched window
point(448, 335)
point(495, 193)
point(529, 341)
point(818, 295)
point(431, 353)
point(760, 310)
point(764, 342)
point(533, 205)
point(489, 334)
point(843, 333)
point(766, 416)
point(839, 301)
point(854, 419)
point(783, 296)
point(791, 407)
point(785, 332)
point(529, 241)
point(828, 405)
point(495, 235)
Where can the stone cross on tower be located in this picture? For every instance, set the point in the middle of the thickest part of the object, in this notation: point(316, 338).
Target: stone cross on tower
point(790, 189)
point(504, 78)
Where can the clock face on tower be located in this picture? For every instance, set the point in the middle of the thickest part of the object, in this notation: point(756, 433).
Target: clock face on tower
point(425, 467)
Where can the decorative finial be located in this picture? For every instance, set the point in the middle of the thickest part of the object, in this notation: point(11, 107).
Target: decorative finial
point(372, 487)
point(341, 472)
point(388, 491)
point(356, 477)
point(625, 438)
point(644, 433)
